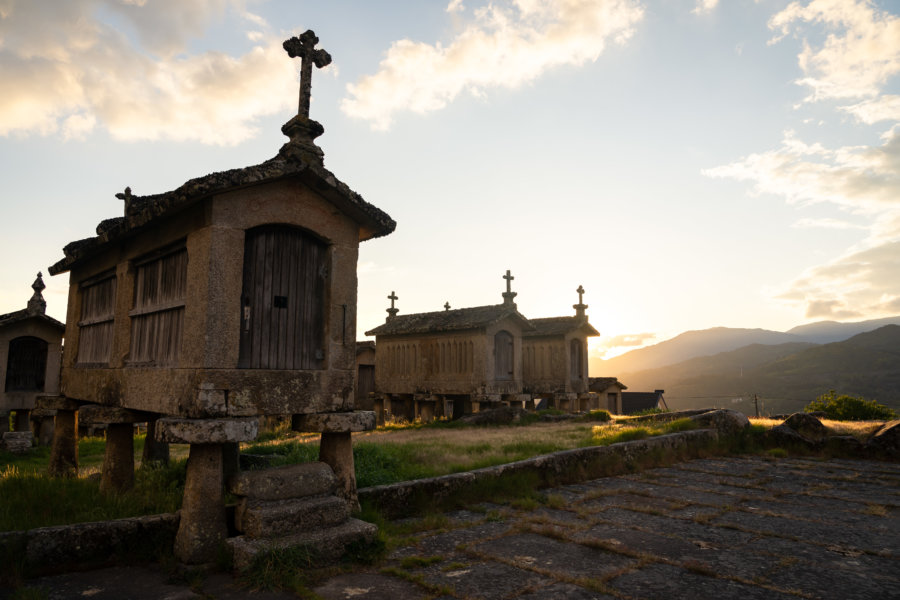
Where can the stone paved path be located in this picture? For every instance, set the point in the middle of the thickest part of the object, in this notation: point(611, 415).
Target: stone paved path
point(716, 528)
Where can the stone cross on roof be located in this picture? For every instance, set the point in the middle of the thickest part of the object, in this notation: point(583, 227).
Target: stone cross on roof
point(447, 305)
point(304, 47)
point(581, 306)
point(508, 295)
point(392, 312)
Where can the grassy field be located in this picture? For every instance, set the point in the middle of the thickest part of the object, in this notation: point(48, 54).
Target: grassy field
point(386, 455)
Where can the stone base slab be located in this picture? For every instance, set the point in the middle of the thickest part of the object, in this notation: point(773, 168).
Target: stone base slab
point(106, 415)
point(206, 431)
point(325, 546)
point(338, 422)
point(56, 403)
point(281, 483)
point(273, 518)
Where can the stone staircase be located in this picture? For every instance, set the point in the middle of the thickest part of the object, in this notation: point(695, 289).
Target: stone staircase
point(293, 506)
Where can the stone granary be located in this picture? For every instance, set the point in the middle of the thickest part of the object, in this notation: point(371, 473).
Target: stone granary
point(365, 374)
point(449, 362)
point(609, 391)
point(30, 351)
point(556, 360)
point(231, 297)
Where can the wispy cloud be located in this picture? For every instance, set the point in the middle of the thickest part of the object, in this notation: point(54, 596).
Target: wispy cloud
point(860, 54)
point(826, 224)
point(705, 6)
point(69, 67)
point(610, 345)
point(506, 44)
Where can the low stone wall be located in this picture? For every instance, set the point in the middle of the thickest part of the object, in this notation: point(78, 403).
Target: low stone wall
point(55, 549)
point(567, 465)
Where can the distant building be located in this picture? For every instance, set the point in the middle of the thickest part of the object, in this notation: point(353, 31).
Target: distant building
point(365, 374)
point(609, 392)
point(635, 402)
point(556, 361)
point(30, 354)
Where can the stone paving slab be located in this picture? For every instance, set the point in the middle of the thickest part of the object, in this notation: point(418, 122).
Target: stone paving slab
point(743, 527)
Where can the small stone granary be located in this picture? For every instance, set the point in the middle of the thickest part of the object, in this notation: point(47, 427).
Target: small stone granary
point(365, 374)
point(609, 392)
point(450, 362)
point(556, 360)
point(203, 308)
point(30, 353)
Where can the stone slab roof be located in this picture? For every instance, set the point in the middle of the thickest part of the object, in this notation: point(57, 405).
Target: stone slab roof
point(633, 402)
point(450, 320)
point(25, 314)
point(560, 326)
point(143, 211)
point(598, 384)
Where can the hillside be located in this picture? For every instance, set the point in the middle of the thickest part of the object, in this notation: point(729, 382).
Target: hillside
point(707, 342)
point(785, 376)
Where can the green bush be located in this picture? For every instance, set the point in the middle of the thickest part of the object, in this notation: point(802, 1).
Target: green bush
point(598, 415)
point(850, 408)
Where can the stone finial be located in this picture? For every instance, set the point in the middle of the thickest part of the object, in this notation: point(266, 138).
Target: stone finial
point(301, 129)
point(581, 306)
point(392, 312)
point(447, 305)
point(37, 304)
point(127, 197)
point(304, 47)
point(508, 295)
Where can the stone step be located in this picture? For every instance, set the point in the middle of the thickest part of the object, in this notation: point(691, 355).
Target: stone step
point(282, 483)
point(270, 518)
point(326, 546)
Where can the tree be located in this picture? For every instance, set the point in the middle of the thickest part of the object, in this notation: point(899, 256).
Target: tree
point(850, 408)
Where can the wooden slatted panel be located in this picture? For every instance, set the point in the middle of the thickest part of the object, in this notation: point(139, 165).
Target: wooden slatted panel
point(157, 321)
point(26, 364)
point(576, 355)
point(283, 300)
point(503, 355)
point(98, 302)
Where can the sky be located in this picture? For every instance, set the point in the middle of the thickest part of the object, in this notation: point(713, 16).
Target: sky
point(690, 163)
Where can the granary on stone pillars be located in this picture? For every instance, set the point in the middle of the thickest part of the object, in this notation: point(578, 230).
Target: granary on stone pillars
point(230, 297)
point(609, 393)
point(449, 362)
point(556, 359)
point(30, 352)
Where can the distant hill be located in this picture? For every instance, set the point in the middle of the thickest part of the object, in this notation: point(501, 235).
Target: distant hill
point(685, 346)
point(825, 332)
point(707, 342)
point(785, 376)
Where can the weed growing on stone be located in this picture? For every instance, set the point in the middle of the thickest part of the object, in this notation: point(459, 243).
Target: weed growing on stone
point(420, 562)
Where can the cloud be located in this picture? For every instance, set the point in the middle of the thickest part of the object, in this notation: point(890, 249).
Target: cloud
point(70, 67)
point(860, 283)
point(860, 53)
point(609, 345)
point(705, 6)
point(855, 177)
point(455, 6)
point(826, 224)
point(856, 58)
point(507, 44)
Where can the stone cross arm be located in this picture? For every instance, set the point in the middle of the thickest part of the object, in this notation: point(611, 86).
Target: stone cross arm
point(304, 48)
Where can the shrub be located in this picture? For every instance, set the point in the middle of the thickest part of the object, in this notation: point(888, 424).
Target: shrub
point(850, 408)
point(598, 415)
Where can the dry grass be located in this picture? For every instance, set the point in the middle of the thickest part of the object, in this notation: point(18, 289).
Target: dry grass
point(858, 429)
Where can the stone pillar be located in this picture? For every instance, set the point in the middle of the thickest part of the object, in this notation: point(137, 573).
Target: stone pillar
point(154, 451)
point(64, 449)
point(378, 406)
point(23, 420)
point(118, 459)
point(426, 411)
point(4, 422)
point(42, 425)
point(202, 528)
point(336, 446)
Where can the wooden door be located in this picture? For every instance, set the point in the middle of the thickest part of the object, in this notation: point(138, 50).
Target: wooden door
point(503, 355)
point(283, 299)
